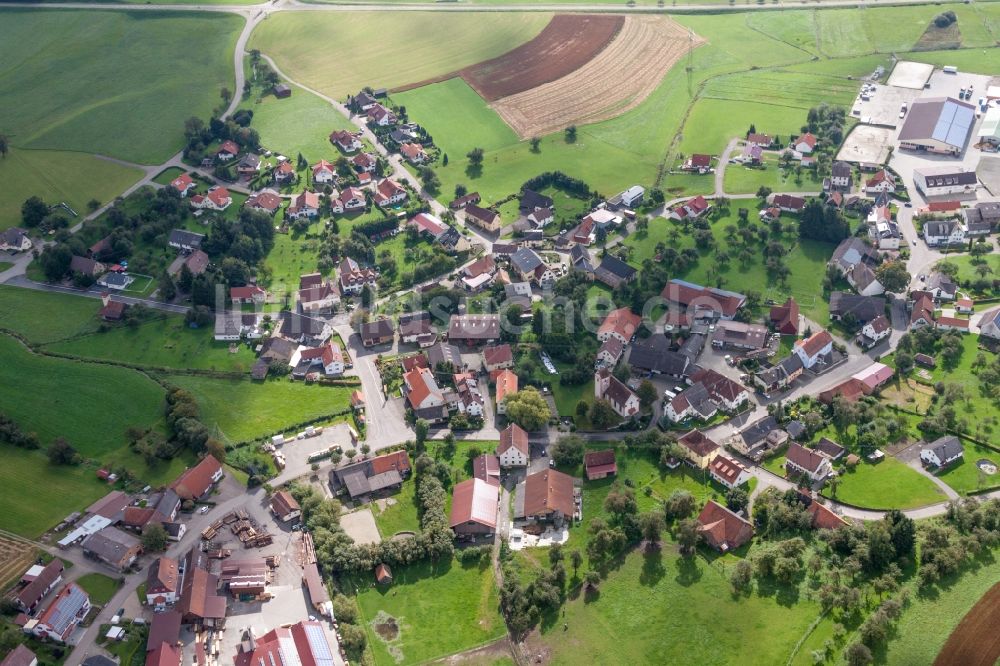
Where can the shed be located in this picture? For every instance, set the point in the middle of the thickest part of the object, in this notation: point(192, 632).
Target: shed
point(383, 574)
point(282, 90)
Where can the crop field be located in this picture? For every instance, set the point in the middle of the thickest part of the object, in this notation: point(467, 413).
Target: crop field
point(567, 43)
point(129, 101)
point(616, 80)
point(15, 557)
point(300, 124)
point(58, 176)
point(71, 392)
point(263, 408)
point(406, 47)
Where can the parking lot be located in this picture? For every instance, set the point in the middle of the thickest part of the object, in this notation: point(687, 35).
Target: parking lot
point(908, 74)
point(884, 104)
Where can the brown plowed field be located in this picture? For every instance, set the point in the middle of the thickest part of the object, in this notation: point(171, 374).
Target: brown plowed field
point(566, 43)
point(614, 81)
point(975, 641)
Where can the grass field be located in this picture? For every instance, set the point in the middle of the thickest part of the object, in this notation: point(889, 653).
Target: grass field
point(402, 515)
point(661, 608)
point(457, 117)
point(293, 255)
point(300, 124)
point(967, 269)
point(71, 391)
point(441, 608)
point(386, 50)
point(44, 317)
point(805, 259)
point(743, 180)
point(38, 495)
point(888, 484)
point(129, 101)
point(167, 176)
point(165, 342)
point(242, 410)
point(57, 176)
point(100, 587)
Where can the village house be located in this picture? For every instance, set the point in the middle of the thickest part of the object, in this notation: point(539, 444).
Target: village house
point(728, 472)
point(324, 173)
point(942, 451)
point(506, 384)
point(785, 318)
point(235, 326)
point(377, 332)
point(841, 176)
point(416, 327)
point(414, 153)
point(163, 583)
point(752, 154)
point(317, 295)
point(183, 184)
point(468, 399)
point(622, 399)
point(809, 462)
point(248, 166)
point(882, 182)
point(86, 266)
point(944, 181)
point(364, 162)
point(381, 116)
point(304, 204)
point(814, 348)
point(610, 351)
point(184, 240)
point(21, 655)
point(941, 286)
point(859, 308)
point(217, 198)
point(864, 280)
point(882, 231)
point(621, 324)
point(199, 604)
point(541, 217)
point(787, 203)
point(195, 482)
point(328, 359)
point(479, 274)
point(353, 278)
point(989, 324)
point(547, 497)
point(249, 294)
point(284, 506)
point(654, 355)
point(473, 330)
point(761, 140)
point(699, 448)
point(284, 173)
point(37, 582)
point(347, 141)
point(267, 201)
point(350, 199)
point(498, 357)
point(63, 615)
point(421, 389)
point(599, 464)
point(939, 233)
point(513, 449)
point(227, 150)
point(921, 309)
point(475, 508)
point(779, 376)
point(484, 218)
point(691, 209)
point(683, 296)
point(739, 336)
point(722, 529)
point(698, 163)
point(388, 192)
point(805, 144)
point(875, 331)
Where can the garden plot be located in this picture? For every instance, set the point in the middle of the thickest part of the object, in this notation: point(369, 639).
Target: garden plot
point(907, 74)
point(866, 143)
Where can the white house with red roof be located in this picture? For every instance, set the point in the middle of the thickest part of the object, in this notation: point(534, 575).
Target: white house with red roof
point(413, 153)
point(268, 201)
point(881, 182)
point(364, 162)
point(381, 116)
point(421, 389)
point(354, 277)
point(217, 198)
point(324, 172)
point(810, 462)
point(728, 472)
point(506, 384)
point(762, 140)
point(620, 324)
point(227, 151)
point(428, 224)
point(329, 358)
point(350, 199)
point(469, 398)
point(621, 398)
point(284, 173)
point(163, 583)
point(699, 163)
point(251, 293)
point(183, 184)
point(498, 357)
point(513, 449)
point(63, 615)
point(813, 348)
point(345, 140)
point(389, 192)
point(805, 144)
point(305, 204)
point(691, 209)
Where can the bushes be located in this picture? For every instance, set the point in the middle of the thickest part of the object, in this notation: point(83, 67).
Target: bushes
point(11, 433)
point(573, 186)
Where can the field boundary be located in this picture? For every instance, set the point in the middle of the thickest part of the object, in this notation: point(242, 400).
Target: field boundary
point(974, 641)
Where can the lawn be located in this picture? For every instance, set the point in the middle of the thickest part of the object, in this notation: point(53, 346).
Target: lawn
point(441, 608)
point(100, 587)
point(402, 515)
point(168, 175)
point(457, 117)
point(163, 342)
point(965, 476)
point(386, 50)
point(90, 405)
point(300, 124)
point(240, 410)
point(663, 609)
point(967, 269)
point(129, 101)
point(56, 176)
point(889, 484)
point(806, 260)
point(293, 255)
point(38, 495)
point(745, 180)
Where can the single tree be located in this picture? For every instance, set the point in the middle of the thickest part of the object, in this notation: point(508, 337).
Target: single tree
point(154, 538)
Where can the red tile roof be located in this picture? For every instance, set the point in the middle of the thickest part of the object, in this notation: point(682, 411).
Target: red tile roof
point(600, 462)
point(697, 442)
point(814, 343)
point(514, 436)
point(397, 461)
point(621, 322)
point(195, 481)
point(498, 354)
point(548, 491)
point(722, 528)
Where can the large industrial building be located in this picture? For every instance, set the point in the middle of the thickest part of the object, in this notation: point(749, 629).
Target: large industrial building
point(937, 125)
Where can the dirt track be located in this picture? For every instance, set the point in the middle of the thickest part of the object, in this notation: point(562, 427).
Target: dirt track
point(566, 44)
point(620, 77)
point(975, 641)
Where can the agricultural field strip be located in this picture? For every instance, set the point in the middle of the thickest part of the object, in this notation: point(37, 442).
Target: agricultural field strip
point(645, 48)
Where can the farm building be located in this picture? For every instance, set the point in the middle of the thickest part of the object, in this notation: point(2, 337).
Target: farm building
point(546, 496)
point(284, 506)
point(937, 125)
point(600, 464)
point(475, 508)
point(722, 529)
point(195, 482)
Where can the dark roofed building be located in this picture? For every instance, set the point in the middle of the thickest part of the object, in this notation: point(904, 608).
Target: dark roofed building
point(377, 332)
point(474, 329)
point(862, 308)
point(115, 548)
point(369, 476)
point(614, 272)
point(654, 355)
point(531, 201)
